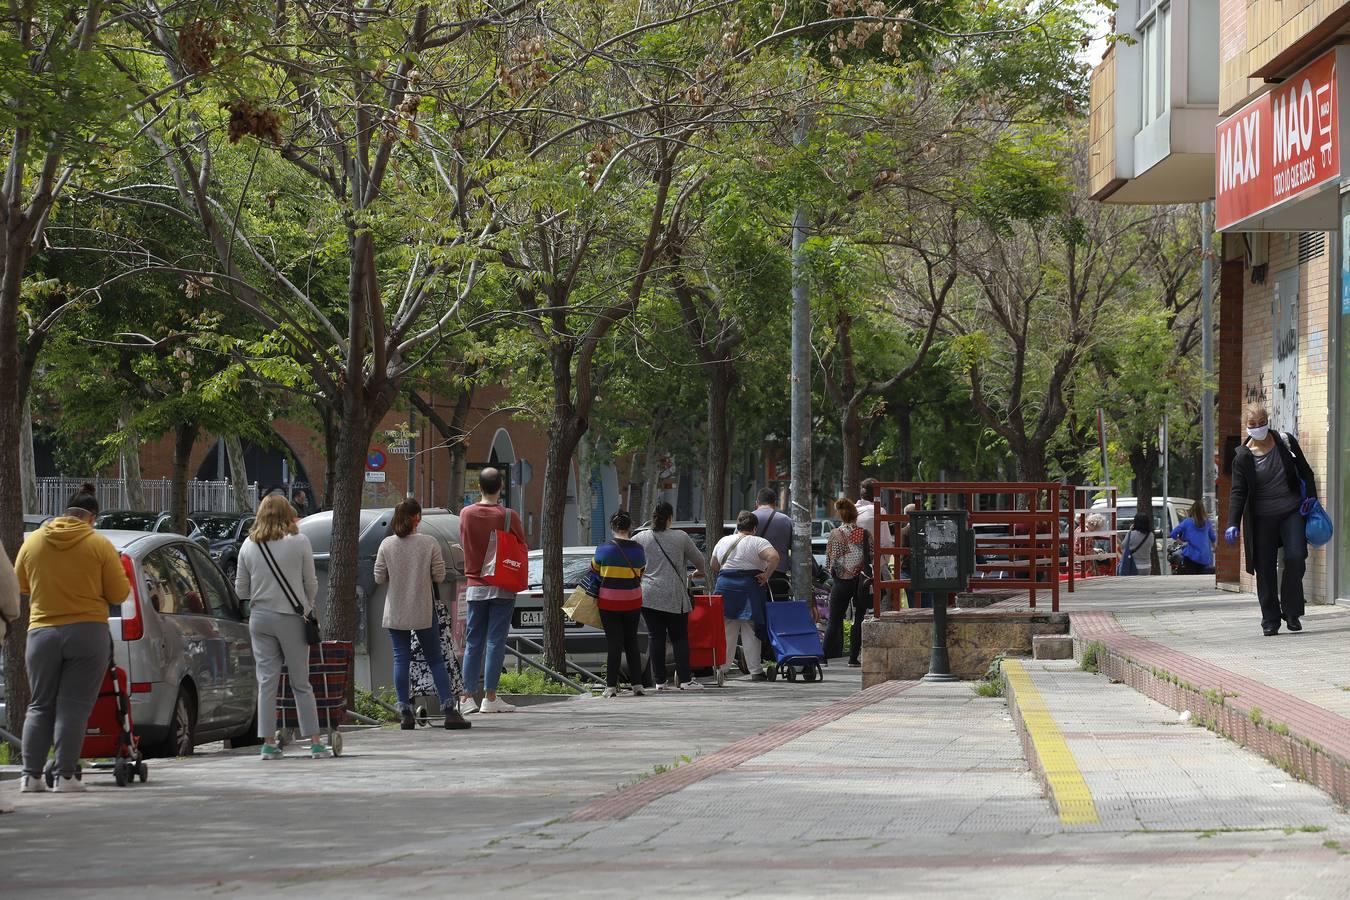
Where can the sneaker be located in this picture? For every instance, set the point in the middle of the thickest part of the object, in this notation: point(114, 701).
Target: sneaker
point(692, 685)
point(270, 751)
point(454, 720)
point(407, 721)
point(664, 686)
point(468, 706)
point(32, 784)
point(6, 806)
point(609, 692)
point(69, 784)
point(318, 750)
point(854, 664)
point(496, 706)
point(639, 691)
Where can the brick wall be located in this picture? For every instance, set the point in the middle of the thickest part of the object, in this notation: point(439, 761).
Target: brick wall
point(1257, 352)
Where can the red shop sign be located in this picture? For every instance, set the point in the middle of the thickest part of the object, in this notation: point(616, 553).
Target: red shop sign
point(1281, 146)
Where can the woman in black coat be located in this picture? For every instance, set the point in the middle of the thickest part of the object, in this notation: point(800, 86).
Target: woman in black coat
point(1273, 488)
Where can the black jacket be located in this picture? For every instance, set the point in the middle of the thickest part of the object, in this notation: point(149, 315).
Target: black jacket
point(1244, 483)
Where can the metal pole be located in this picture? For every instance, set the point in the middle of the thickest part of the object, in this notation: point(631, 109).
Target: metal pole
point(1166, 459)
point(803, 506)
point(1207, 440)
point(939, 666)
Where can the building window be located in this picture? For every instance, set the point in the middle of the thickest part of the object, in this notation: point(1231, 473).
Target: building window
point(1155, 41)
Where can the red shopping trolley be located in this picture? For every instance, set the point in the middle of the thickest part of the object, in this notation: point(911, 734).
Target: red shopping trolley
point(108, 737)
point(330, 665)
point(708, 636)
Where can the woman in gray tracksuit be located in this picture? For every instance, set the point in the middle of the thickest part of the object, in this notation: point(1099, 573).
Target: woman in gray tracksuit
point(276, 577)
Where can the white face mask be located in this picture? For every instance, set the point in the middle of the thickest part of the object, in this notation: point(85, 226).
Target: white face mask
point(1258, 434)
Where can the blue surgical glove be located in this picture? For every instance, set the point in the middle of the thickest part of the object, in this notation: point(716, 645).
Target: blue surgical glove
point(1307, 506)
point(1230, 534)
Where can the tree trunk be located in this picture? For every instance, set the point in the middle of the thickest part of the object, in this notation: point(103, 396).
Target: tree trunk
point(234, 450)
point(459, 445)
point(721, 382)
point(651, 468)
point(346, 468)
point(131, 461)
point(330, 455)
point(1031, 462)
point(850, 430)
point(27, 461)
point(585, 494)
point(904, 428)
point(184, 437)
point(564, 430)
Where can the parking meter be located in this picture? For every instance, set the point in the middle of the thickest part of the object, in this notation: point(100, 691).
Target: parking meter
point(942, 559)
point(942, 550)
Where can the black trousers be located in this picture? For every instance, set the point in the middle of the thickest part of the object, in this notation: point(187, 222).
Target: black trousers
point(621, 639)
point(1281, 598)
point(843, 593)
point(1191, 567)
point(661, 624)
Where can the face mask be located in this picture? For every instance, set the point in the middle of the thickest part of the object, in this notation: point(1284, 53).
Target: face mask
point(1258, 434)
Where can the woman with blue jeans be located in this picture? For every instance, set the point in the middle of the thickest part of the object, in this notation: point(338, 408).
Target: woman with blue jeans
point(410, 563)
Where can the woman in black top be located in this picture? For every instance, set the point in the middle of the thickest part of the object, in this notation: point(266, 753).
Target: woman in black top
point(1273, 487)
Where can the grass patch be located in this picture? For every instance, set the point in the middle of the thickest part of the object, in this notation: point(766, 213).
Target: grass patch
point(531, 682)
point(1255, 715)
point(1092, 657)
point(4, 753)
point(1306, 829)
point(992, 683)
point(367, 706)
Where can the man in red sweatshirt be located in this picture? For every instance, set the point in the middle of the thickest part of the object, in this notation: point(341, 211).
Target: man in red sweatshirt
point(490, 607)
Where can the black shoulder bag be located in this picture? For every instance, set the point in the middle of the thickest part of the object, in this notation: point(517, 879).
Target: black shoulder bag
point(312, 636)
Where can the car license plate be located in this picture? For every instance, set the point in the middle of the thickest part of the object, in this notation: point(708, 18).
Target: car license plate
point(531, 618)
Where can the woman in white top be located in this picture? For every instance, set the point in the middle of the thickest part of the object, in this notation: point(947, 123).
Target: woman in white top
point(742, 563)
point(276, 577)
point(410, 563)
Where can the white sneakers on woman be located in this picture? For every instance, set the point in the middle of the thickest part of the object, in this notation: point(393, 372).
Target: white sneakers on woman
point(496, 706)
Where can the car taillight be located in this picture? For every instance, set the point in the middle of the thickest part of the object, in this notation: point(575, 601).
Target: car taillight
point(133, 628)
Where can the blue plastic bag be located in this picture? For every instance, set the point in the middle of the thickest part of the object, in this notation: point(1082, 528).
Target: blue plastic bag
point(1317, 525)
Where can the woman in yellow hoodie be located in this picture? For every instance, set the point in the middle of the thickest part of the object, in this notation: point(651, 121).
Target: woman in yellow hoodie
point(71, 575)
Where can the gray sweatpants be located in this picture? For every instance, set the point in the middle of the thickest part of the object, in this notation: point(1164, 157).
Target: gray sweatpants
point(279, 638)
point(66, 664)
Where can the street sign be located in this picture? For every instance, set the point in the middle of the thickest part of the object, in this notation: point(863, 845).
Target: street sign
point(375, 462)
point(400, 447)
point(376, 477)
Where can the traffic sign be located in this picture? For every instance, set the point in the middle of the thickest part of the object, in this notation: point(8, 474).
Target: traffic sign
point(375, 460)
point(376, 477)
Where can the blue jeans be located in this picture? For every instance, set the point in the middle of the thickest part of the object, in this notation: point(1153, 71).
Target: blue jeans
point(485, 643)
point(430, 639)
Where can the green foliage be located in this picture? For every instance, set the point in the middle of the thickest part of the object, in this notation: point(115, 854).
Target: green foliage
point(367, 705)
point(531, 681)
point(1092, 656)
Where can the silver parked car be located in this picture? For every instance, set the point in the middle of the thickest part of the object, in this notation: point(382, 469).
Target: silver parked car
point(184, 642)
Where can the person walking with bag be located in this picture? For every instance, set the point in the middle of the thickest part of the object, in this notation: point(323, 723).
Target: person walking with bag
point(742, 564)
point(412, 565)
point(1273, 489)
point(1136, 548)
point(490, 606)
point(1196, 532)
point(616, 574)
point(665, 595)
point(848, 552)
point(276, 578)
point(71, 575)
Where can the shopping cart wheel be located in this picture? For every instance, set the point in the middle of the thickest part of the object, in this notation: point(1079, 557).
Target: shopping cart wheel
point(771, 672)
point(791, 673)
point(721, 678)
point(335, 742)
point(142, 772)
point(422, 716)
point(49, 773)
point(120, 771)
point(809, 673)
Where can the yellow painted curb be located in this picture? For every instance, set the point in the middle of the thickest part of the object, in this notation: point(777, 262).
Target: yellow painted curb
point(1068, 789)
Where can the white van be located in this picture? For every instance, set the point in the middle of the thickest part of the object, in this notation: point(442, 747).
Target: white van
point(1166, 516)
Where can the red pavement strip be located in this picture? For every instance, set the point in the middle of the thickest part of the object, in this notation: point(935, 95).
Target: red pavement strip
point(1310, 742)
point(624, 803)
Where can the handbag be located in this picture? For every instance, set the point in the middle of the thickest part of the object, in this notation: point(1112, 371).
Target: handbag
point(507, 562)
point(581, 607)
point(312, 636)
point(1317, 527)
point(1127, 565)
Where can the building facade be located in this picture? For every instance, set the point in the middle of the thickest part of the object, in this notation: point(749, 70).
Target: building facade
point(1274, 168)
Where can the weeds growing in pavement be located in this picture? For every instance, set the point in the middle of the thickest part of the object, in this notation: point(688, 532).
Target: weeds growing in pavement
point(368, 704)
point(531, 682)
point(1255, 715)
point(1092, 656)
point(992, 683)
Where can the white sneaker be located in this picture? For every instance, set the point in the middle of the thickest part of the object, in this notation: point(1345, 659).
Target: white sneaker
point(32, 784)
point(609, 692)
point(664, 686)
point(468, 706)
point(496, 706)
point(692, 685)
point(638, 691)
point(68, 784)
point(6, 806)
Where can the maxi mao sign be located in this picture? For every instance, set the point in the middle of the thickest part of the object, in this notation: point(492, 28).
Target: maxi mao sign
point(1280, 146)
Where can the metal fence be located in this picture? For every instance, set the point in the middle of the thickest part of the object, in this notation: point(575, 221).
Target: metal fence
point(212, 496)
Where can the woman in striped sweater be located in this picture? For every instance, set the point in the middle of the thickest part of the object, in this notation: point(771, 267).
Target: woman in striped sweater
point(616, 579)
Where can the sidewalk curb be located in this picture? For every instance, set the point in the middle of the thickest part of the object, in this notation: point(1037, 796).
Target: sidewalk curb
point(1310, 743)
point(1074, 806)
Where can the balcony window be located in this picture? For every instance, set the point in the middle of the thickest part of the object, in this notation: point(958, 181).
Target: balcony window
point(1155, 39)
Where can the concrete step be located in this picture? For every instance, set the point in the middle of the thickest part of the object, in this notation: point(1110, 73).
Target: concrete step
point(1052, 646)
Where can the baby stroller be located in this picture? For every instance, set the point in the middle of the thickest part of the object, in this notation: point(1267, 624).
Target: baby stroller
point(109, 736)
point(795, 641)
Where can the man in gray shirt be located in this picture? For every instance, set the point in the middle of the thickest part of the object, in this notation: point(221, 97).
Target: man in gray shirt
point(776, 528)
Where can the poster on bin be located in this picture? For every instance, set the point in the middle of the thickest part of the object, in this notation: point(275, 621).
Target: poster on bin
point(1282, 146)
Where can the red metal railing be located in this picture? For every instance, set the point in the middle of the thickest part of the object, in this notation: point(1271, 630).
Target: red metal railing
point(1093, 551)
point(1021, 534)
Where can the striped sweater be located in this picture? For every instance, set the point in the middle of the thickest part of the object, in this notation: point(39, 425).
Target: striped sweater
point(616, 575)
